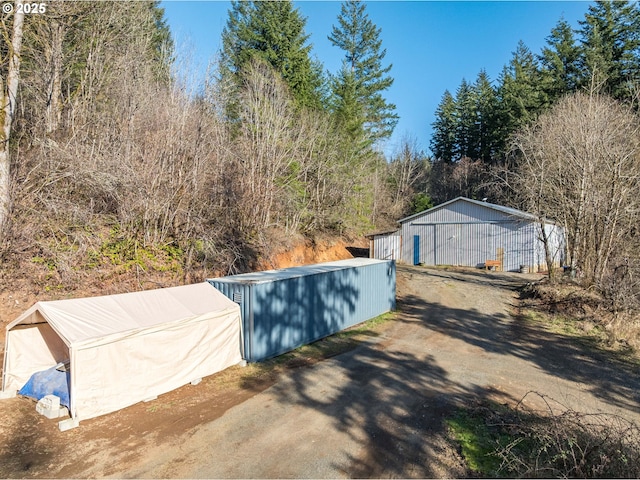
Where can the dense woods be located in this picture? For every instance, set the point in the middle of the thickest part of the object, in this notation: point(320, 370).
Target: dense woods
point(557, 135)
point(474, 126)
point(112, 158)
point(115, 159)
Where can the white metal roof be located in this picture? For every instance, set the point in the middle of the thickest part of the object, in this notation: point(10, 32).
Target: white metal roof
point(508, 210)
point(292, 272)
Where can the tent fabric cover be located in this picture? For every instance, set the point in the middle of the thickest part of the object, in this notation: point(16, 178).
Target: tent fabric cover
point(125, 348)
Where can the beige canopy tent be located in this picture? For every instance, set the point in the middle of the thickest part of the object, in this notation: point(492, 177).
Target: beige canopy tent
point(124, 348)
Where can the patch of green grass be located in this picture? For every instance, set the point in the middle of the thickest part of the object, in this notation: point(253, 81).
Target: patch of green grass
point(560, 442)
point(553, 323)
point(126, 253)
point(477, 441)
point(157, 405)
point(340, 342)
point(51, 288)
point(499, 441)
point(47, 262)
point(367, 328)
point(327, 347)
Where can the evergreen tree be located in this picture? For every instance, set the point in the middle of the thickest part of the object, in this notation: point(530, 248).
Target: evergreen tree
point(520, 94)
point(466, 122)
point(464, 126)
point(360, 39)
point(345, 104)
point(559, 62)
point(610, 43)
point(162, 43)
point(486, 122)
point(443, 141)
point(273, 32)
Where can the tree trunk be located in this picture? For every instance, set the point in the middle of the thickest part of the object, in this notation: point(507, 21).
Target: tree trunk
point(53, 52)
point(9, 98)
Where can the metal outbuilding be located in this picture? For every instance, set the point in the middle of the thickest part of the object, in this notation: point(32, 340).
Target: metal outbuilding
point(466, 232)
point(385, 245)
point(284, 309)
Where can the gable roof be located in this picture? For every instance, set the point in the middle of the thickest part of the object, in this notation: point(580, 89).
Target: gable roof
point(82, 321)
point(508, 210)
point(381, 232)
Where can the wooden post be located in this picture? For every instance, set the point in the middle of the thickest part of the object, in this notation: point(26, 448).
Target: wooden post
point(500, 258)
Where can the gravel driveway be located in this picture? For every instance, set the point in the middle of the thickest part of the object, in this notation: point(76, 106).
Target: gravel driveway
point(376, 411)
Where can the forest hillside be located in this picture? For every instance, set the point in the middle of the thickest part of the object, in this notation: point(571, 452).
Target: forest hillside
point(118, 173)
point(121, 170)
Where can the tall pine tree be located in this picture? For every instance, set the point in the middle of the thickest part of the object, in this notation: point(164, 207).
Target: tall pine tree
point(610, 43)
point(466, 122)
point(465, 126)
point(520, 94)
point(486, 121)
point(346, 105)
point(443, 141)
point(559, 62)
point(360, 39)
point(273, 32)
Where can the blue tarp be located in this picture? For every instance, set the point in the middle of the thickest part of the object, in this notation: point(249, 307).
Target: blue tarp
point(48, 382)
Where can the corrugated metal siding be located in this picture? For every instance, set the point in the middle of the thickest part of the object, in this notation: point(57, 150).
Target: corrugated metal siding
point(454, 235)
point(461, 212)
point(476, 243)
point(242, 294)
point(468, 234)
point(427, 244)
point(446, 248)
point(303, 304)
point(387, 247)
point(556, 239)
point(519, 242)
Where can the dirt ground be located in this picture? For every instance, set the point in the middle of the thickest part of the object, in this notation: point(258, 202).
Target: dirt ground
point(375, 411)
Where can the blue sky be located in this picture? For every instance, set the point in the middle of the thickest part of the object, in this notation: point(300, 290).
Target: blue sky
point(432, 45)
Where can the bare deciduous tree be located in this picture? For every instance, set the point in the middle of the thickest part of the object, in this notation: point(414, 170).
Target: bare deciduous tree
point(8, 99)
point(580, 165)
point(114, 156)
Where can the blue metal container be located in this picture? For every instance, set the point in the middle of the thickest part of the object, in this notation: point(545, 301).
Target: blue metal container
point(284, 309)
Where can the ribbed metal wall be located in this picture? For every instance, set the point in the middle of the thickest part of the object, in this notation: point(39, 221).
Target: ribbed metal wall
point(284, 309)
point(242, 294)
point(387, 247)
point(556, 240)
point(466, 234)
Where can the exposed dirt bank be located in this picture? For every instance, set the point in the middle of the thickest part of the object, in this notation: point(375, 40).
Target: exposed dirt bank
point(22, 287)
